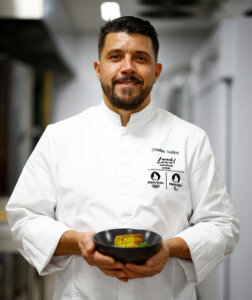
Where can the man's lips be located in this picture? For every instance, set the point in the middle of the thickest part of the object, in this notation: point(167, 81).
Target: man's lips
point(128, 81)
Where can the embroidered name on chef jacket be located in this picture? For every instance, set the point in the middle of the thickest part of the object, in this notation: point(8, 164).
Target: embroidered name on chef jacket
point(164, 173)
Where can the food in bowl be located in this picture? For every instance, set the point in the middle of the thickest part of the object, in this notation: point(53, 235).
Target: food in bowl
point(130, 241)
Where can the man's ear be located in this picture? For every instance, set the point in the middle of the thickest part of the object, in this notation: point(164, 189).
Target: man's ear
point(158, 71)
point(97, 68)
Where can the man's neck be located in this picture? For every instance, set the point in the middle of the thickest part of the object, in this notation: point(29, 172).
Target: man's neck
point(125, 114)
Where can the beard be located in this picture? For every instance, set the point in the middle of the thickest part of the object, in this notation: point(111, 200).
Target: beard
point(126, 101)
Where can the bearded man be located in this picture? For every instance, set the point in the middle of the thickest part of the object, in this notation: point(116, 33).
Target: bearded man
point(94, 172)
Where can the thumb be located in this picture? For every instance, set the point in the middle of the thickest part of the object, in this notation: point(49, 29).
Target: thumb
point(87, 242)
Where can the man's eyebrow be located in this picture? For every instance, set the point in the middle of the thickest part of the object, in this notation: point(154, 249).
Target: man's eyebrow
point(142, 52)
point(112, 51)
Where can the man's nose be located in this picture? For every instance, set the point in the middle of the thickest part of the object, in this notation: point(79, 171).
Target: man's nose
point(128, 66)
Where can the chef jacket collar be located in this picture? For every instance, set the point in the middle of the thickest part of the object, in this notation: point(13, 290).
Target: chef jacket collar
point(137, 120)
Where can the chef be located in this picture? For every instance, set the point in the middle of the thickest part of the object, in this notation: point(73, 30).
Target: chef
point(123, 164)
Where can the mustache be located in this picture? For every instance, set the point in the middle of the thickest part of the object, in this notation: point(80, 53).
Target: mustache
point(128, 78)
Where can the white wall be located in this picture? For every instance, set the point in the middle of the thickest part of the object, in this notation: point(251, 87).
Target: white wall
point(210, 110)
point(228, 53)
point(176, 49)
point(83, 90)
point(175, 54)
point(241, 266)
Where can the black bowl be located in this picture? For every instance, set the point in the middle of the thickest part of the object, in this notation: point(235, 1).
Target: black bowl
point(104, 243)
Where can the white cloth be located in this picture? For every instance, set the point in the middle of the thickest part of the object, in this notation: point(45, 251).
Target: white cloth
point(90, 173)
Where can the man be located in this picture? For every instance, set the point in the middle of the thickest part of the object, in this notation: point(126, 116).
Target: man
point(94, 172)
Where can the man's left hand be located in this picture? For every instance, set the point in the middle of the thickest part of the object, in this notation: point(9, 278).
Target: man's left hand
point(153, 265)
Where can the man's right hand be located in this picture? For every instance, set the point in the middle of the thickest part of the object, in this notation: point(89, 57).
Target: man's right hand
point(95, 258)
point(76, 243)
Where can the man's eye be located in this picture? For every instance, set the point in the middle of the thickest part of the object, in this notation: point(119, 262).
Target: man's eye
point(114, 57)
point(141, 58)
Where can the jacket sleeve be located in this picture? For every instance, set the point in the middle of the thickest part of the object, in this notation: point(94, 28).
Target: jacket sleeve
point(31, 208)
point(214, 228)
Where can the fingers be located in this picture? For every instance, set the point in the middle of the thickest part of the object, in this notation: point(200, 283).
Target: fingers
point(93, 257)
point(96, 258)
point(114, 273)
point(161, 255)
point(140, 271)
point(123, 279)
point(105, 263)
point(153, 266)
point(115, 266)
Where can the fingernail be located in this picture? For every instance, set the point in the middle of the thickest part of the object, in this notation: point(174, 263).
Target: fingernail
point(150, 263)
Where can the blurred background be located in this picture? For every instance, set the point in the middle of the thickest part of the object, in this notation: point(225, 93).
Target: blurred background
point(47, 49)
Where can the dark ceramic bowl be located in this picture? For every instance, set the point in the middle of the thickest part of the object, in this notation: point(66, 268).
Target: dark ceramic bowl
point(104, 243)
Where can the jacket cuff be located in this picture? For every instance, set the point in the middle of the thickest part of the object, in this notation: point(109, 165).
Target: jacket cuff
point(41, 256)
point(188, 267)
point(207, 248)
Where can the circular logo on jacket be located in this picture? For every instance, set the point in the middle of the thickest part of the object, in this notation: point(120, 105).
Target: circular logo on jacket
point(155, 180)
point(176, 178)
point(155, 176)
point(175, 181)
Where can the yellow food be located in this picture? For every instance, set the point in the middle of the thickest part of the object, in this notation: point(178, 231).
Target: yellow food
point(128, 240)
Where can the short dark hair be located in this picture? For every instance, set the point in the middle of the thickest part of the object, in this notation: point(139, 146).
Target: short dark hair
point(129, 24)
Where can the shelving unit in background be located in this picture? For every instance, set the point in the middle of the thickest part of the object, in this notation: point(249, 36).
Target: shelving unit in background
point(25, 109)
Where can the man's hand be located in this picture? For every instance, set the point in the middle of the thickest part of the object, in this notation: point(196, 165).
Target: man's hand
point(105, 263)
point(153, 265)
point(174, 247)
point(76, 243)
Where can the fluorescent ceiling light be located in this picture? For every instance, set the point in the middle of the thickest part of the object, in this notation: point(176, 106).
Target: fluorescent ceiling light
point(29, 9)
point(23, 9)
point(110, 10)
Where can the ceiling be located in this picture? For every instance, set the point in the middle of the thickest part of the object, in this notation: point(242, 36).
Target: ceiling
point(165, 15)
point(38, 40)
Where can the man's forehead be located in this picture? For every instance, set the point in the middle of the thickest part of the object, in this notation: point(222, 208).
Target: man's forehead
point(121, 39)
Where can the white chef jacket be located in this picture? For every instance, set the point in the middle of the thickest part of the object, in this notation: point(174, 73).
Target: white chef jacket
point(90, 173)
